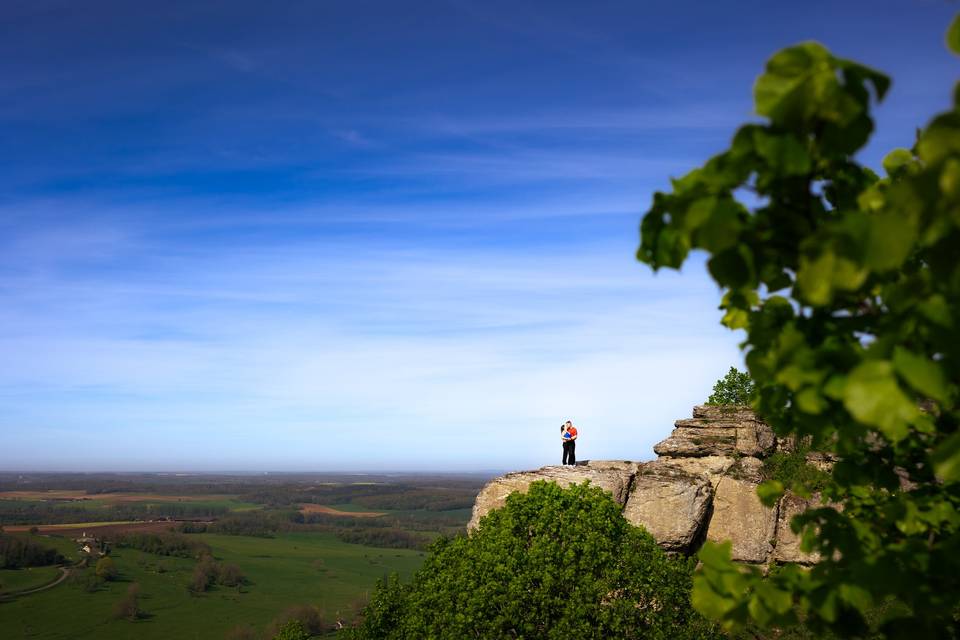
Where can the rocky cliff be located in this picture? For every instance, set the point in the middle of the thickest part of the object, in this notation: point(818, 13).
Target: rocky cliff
point(701, 487)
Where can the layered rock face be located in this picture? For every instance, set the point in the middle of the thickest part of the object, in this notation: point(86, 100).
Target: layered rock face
point(701, 487)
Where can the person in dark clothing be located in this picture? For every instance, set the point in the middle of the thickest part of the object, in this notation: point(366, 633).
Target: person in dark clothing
point(568, 433)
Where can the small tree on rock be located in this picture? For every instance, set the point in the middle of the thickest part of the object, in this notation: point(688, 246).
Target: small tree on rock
point(734, 388)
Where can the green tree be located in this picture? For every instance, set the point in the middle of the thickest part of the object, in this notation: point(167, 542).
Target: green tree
point(734, 388)
point(293, 630)
point(307, 615)
point(106, 569)
point(848, 287)
point(553, 563)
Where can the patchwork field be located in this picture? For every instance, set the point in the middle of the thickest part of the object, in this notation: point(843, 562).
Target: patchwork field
point(321, 540)
point(294, 568)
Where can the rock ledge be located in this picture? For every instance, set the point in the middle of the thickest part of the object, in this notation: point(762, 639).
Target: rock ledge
point(701, 487)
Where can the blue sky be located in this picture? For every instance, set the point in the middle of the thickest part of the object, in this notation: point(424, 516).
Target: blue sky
point(376, 235)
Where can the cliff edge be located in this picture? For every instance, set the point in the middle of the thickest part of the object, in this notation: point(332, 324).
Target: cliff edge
point(702, 486)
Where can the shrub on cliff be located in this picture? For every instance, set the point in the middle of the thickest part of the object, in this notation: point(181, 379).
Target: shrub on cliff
point(553, 563)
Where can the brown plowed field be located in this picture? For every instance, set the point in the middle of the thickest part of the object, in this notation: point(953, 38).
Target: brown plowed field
point(330, 511)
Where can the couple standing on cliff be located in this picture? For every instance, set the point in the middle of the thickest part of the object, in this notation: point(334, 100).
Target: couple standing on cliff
point(568, 434)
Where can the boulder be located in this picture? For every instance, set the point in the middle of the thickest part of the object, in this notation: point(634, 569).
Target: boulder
point(494, 494)
point(727, 435)
point(694, 438)
point(788, 542)
point(626, 466)
point(755, 438)
point(739, 516)
point(669, 503)
point(747, 468)
point(725, 412)
point(712, 467)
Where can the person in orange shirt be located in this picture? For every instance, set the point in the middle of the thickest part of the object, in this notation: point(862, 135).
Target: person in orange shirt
point(568, 433)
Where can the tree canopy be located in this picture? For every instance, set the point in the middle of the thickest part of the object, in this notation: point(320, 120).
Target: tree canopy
point(734, 388)
point(553, 563)
point(847, 286)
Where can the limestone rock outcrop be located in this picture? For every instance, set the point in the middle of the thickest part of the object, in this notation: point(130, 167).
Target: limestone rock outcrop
point(669, 503)
point(612, 478)
point(739, 516)
point(701, 487)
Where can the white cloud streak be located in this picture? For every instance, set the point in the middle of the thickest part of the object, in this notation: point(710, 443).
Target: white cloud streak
point(341, 349)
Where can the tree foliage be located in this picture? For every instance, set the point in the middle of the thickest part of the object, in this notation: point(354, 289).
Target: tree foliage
point(553, 563)
point(307, 615)
point(734, 388)
point(17, 552)
point(848, 287)
point(106, 569)
point(292, 630)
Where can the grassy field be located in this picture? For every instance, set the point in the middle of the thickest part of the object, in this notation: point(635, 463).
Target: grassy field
point(21, 579)
point(295, 568)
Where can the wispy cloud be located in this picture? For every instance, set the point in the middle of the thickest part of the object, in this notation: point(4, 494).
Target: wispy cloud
point(342, 344)
point(302, 238)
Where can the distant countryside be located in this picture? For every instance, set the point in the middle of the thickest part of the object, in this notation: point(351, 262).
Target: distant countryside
point(202, 556)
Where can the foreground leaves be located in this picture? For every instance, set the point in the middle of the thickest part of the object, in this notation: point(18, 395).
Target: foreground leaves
point(848, 288)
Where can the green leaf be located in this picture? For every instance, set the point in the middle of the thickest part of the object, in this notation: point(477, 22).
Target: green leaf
point(890, 239)
point(821, 275)
point(874, 398)
point(716, 555)
point(953, 35)
point(791, 89)
point(809, 400)
point(936, 310)
point(776, 600)
point(732, 267)
point(736, 319)
point(950, 178)
point(770, 491)
point(856, 596)
point(923, 374)
point(815, 278)
point(835, 386)
point(698, 212)
point(880, 81)
point(721, 230)
point(940, 139)
point(946, 459)
point(896, 161)
point(783, 152)
point(852, 130)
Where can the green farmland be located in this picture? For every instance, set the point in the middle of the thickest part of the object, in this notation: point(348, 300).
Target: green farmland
point(30, 578)
point(291, 568)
